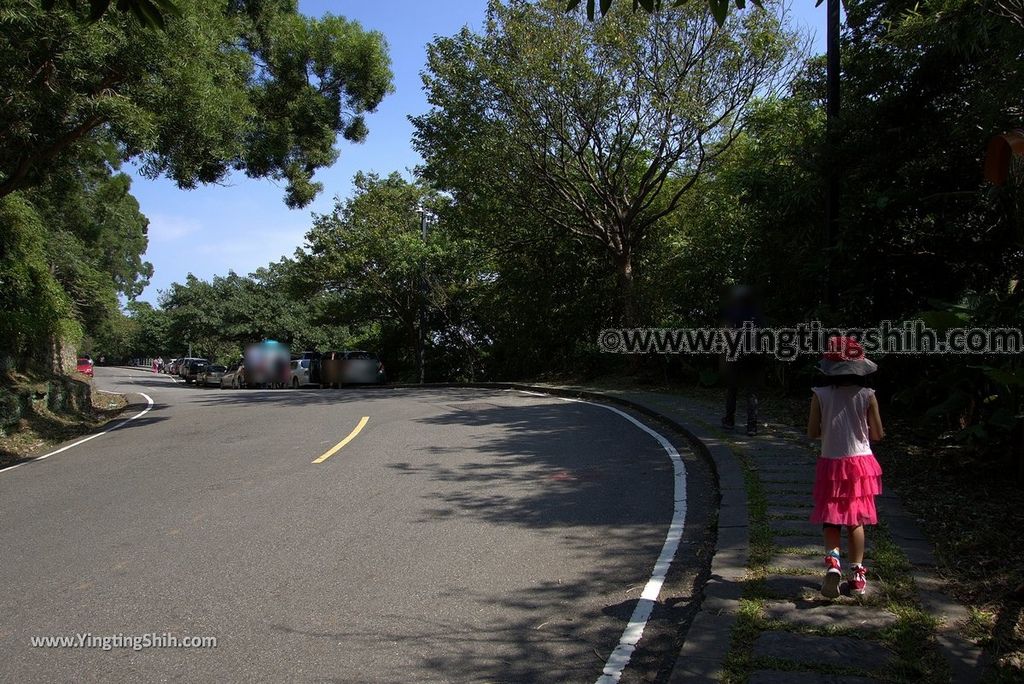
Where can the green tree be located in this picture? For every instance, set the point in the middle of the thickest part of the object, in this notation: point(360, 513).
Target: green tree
point(370, 255)
point(614, 122)
point(37, 312)
point(251, 86)
point(96, 234)
point(155, 12)
point(90, 234)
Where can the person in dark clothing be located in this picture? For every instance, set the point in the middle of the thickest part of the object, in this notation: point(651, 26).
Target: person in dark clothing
point(746, 371)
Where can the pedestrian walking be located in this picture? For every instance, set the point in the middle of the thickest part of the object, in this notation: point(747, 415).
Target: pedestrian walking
point(745, 371)
point(845, 416)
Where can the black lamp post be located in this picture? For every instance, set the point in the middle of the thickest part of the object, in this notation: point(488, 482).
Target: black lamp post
point(831, 114)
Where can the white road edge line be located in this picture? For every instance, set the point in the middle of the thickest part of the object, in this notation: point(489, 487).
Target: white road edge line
point(86, 439)
point(620, 657)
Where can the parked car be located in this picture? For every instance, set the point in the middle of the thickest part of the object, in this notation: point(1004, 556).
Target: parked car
point(189, 367)
point(172, 366)
point(314, 362)
point(210, 374)
point(233, 377)
point(302, 373)
point(352, 368)
point(85, 366)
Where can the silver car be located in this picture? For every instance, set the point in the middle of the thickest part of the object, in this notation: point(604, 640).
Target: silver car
point(233, 377)
point(301, 373)
point(210, 375)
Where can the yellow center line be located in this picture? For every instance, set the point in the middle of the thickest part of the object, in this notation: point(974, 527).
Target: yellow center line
point(352, 435)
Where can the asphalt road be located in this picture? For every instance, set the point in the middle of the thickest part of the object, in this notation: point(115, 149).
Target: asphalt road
point(461, 535)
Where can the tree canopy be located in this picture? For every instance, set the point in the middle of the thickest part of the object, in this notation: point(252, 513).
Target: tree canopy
point(250, 86)
point(614, 121)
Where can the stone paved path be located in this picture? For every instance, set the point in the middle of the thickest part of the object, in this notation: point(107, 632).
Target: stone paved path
point(802, 636)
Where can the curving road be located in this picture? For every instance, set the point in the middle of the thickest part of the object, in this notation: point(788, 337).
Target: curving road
point(460, 535)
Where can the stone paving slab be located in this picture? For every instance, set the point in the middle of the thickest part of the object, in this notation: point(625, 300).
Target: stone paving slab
point(804, 545)
point(785, 512)
point(795, 481)
point(771, 489)
point(783, 461)
point(796, 473)
point(704, 650)
point(813, 564)
point(733, 516)
point(793, 586)
point(828, 615)
point(796, 561)
point(800, 528)
point(784, 472)
point(834, 651)
point(783, 677)
point(794, 500)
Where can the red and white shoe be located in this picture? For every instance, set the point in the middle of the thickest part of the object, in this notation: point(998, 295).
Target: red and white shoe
point(833, 576)
point(859, 580)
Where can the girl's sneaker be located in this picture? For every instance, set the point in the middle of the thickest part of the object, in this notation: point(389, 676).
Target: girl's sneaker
point(833, 575)
point(859, 580)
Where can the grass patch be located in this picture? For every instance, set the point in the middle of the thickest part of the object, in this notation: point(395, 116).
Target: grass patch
point(39, 427)
point(757, 507)
point(796, 517)
point(749, 621)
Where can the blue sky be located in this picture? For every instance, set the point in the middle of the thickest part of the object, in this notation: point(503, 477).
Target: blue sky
point(244, 224)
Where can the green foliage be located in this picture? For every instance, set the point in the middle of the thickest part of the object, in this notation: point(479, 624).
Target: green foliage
point(152, 13)
point(370, 258)
point(75, 246)
point(719, 8)
point(251, 86)
point(598, 129)
point(36, 309)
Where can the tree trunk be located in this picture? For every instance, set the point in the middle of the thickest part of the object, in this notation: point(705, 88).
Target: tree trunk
point(626, 291)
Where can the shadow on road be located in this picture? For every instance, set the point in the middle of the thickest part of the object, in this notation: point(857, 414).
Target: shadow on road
point(606, 490)
point(321, 397)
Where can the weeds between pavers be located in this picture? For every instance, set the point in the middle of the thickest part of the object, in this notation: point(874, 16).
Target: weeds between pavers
point(910, 638)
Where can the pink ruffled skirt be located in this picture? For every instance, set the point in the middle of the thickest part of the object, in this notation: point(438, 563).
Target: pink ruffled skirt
point(845, 490)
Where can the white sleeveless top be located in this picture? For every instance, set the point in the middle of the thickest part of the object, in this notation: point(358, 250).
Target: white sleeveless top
point(844, 420)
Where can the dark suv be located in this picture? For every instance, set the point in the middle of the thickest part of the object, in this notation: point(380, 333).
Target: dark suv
point(189, 369)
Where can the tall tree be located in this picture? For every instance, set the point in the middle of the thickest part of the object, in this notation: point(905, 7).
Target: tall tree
point(614, 121)
point(249, 85)
point(87, 236)
point(371, 254)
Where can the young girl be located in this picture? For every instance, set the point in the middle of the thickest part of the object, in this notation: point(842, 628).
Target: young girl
point(845, 415)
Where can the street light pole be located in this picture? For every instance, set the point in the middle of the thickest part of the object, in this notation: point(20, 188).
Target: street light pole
point(422, 341)
point(831, 115)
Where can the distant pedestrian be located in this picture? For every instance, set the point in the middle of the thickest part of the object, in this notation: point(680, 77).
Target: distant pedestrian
point(745, 372)
point(845, 416)
point(155, 365)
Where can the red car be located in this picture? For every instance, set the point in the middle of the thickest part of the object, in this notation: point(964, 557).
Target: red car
point(85, 365)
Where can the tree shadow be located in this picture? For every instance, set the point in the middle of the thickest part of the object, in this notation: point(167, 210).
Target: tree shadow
point(605, 490)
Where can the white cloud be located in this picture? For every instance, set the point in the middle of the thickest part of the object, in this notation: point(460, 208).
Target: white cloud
point(165, 228)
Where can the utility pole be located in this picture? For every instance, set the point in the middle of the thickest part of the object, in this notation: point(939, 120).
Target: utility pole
point(422, 332)
point(831, 115)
